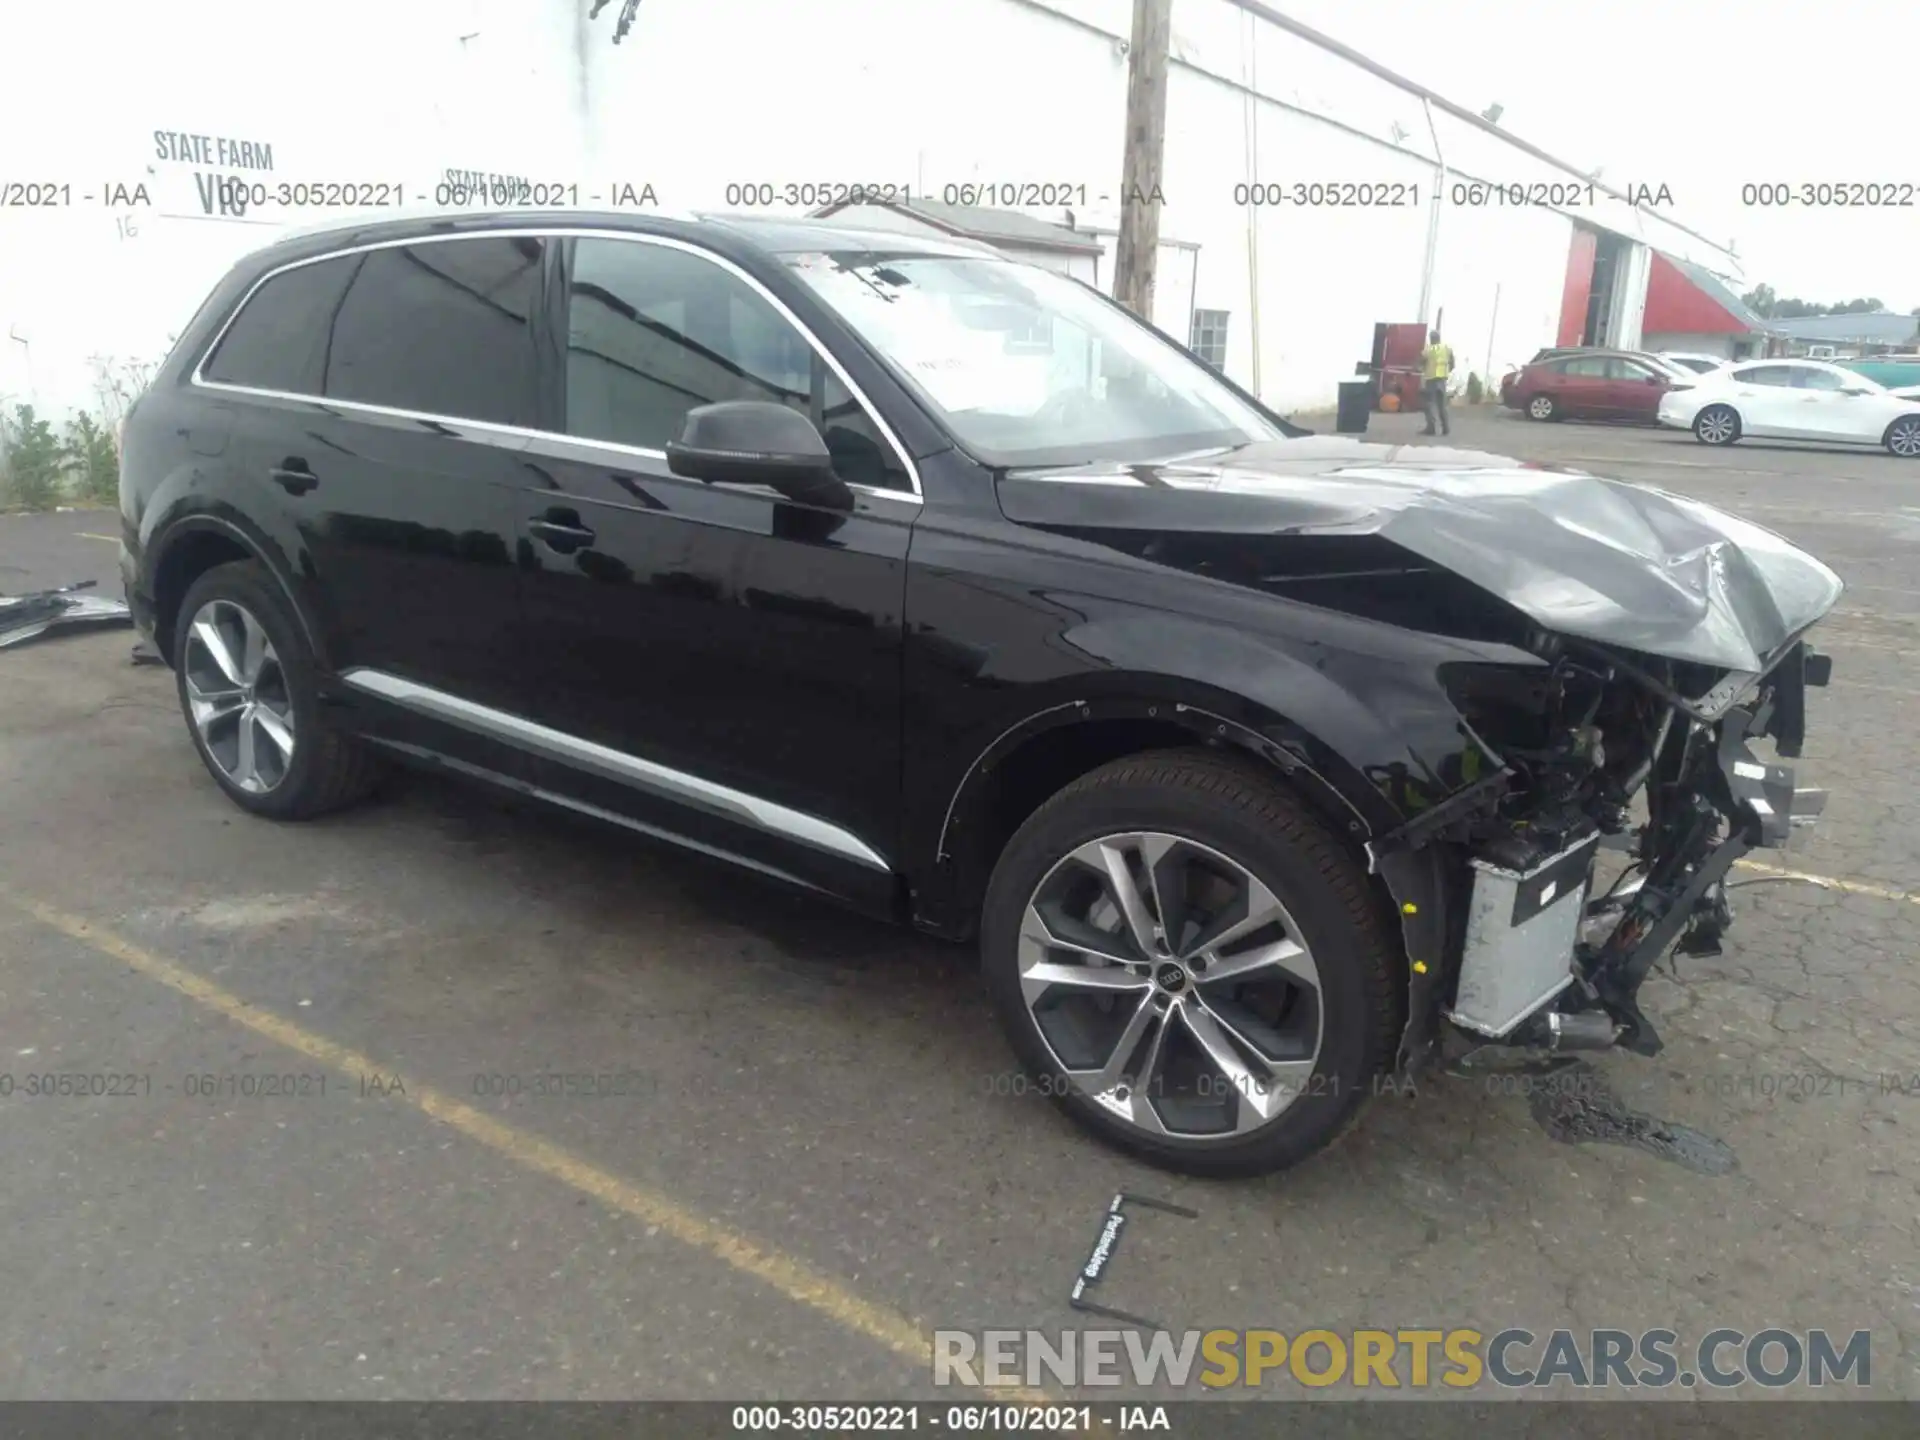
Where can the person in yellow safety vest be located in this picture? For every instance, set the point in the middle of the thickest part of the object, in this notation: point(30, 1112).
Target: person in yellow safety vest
point(1436, 364)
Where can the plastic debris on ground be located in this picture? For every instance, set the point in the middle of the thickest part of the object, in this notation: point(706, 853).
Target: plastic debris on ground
point(58, 612)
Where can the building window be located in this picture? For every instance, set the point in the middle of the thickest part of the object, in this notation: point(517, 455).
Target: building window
point(1209, 337)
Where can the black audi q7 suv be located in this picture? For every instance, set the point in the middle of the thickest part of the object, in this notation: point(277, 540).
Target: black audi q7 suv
point(1263, 765)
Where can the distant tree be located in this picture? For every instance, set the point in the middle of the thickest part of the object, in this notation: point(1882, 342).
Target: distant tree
point(31, 460)
point(1765, 303)
point(628, 8)
point(89, 449)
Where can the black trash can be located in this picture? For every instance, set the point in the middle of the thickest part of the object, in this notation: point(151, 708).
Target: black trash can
point(1356, 404)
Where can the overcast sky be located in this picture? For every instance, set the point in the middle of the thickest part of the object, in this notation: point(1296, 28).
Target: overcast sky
point(1704, 96)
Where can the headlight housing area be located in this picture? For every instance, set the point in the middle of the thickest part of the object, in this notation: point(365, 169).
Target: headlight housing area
point(1506, 706)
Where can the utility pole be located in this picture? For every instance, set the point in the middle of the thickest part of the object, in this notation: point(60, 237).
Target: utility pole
point(1140, 168)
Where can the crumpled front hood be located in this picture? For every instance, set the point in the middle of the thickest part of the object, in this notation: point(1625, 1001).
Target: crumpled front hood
point(1622, 564)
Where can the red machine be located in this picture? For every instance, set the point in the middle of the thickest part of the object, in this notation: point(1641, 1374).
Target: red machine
point(1395, 367)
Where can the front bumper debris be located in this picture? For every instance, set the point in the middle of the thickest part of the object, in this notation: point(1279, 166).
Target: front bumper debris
point(52, 612)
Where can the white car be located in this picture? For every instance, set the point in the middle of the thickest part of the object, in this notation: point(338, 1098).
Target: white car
point(1794, 400)
point(1687, 361)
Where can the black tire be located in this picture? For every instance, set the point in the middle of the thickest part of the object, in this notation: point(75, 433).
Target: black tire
point(1233, 807)
point(330, 769)
point(1723, 428)
point(1541, 407)
point(1903, 438)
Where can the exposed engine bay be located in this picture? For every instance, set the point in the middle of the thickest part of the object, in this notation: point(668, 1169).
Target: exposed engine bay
point(1636, 647)
point(1600, 752)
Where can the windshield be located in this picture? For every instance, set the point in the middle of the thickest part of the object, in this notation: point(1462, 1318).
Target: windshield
point(1027, 367)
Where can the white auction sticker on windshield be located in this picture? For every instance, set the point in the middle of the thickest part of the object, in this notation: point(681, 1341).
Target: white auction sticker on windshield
point(986, 379)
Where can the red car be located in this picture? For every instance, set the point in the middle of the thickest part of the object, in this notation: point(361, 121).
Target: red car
point(1591, 385)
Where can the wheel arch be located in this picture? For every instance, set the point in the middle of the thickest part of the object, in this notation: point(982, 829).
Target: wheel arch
point(1886, 435)
point(194, 544)
point(1739, 420)
point(1048, 749)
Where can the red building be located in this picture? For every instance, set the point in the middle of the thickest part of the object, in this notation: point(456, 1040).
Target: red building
point(1692, 309)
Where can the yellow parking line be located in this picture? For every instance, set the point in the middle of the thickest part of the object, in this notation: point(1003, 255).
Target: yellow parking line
point(1828, 882)
point(790, 1276)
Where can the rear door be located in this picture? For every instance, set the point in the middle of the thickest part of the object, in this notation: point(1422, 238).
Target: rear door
point(713, 660)
point(1764, 397)
point(1585, 387)
point(377, 399)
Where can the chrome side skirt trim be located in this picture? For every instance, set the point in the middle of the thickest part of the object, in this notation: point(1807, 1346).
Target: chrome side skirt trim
point(567, 802)
point(735, 805)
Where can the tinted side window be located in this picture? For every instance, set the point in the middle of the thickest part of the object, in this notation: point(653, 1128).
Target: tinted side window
point(279, 339)
point(1622, 369)
point(653, 332)
point(1805, 377)
point(441, 328)
point(861, 454)
point(1593, 367)
point(1765, 375)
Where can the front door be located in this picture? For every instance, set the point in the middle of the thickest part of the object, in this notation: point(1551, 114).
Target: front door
point(1635, 389)
point(1825, 411)
point(713, 661)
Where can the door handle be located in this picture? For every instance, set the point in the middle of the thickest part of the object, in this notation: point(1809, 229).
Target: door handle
point(561, 531)
point(294, 477)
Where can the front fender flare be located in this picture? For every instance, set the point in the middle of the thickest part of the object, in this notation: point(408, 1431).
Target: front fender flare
point(1345, 806)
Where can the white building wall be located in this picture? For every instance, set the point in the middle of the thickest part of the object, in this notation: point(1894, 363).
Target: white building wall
point(707, 94)
point(1630, 297)
point(369, 91)
point(1033, 92)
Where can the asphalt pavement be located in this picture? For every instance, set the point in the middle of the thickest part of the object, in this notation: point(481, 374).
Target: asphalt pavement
point(322, 1170)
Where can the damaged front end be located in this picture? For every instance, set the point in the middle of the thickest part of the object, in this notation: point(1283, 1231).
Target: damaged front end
point(1599, 760)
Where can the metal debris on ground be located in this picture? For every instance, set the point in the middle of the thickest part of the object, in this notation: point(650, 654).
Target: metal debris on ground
point(53, 612)
point(1103, 1249)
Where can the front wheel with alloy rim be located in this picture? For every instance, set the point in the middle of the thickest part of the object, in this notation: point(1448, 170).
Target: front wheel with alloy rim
point(249, 691)
point(1716, 425)
point(1542, 407)
point(1191, 965)
point(1903, 437)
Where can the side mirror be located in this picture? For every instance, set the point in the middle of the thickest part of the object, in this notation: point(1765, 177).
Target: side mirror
point(1850, 390)
point(756, 442)
point(1657, 380)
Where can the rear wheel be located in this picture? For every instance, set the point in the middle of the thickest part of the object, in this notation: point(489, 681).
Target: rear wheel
point(248, 688)
point(1543, 407)
point(1903, 437)
point(1716, 425)
point(1191, 966)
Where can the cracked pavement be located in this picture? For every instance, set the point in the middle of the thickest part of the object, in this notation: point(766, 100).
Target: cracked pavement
point(828, 1086)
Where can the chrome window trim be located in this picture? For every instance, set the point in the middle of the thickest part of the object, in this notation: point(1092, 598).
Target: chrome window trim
point(642, 774)
point(199, 380)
